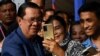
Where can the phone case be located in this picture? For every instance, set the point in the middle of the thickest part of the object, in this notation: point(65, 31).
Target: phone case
point(48, 31)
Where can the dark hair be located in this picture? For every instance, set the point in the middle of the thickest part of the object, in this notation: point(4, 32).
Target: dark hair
point(61, 12)
point(64, 12)
point(58, 18)
point(21, 10)
point(91, 7)
point(3, 2)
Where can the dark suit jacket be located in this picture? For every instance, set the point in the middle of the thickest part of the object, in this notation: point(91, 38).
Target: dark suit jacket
point(17, 45)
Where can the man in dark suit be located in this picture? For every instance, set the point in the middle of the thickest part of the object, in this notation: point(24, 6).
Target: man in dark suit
point(24, 40)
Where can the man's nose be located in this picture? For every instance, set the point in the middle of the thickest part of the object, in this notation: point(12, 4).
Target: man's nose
point(35, 23)
point(85, 25)
point(7, 12)
point(79, 36)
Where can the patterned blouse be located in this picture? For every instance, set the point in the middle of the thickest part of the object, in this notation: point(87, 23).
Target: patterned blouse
point(72, 47)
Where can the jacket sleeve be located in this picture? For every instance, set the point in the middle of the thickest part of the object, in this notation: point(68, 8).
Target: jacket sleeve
point(12, 49)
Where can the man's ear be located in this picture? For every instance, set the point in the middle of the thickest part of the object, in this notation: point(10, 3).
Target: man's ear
point(19, 19)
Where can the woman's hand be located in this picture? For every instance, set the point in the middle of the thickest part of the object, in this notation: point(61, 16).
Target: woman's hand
point(53, 47)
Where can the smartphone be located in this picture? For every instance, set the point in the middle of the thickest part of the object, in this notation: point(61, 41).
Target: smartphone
point(48, 31)
point(89, 50)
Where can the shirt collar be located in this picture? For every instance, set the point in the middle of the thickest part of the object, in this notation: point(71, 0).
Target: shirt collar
point(88, 43)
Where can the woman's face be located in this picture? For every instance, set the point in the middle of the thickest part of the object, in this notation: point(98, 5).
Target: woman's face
point(78, 33)
point(59, 33)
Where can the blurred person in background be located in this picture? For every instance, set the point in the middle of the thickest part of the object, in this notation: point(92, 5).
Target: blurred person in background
point(47, 13)
point(8, 16)
point(8, 20)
